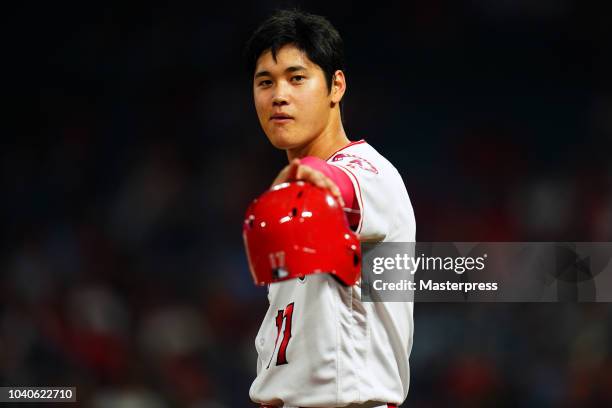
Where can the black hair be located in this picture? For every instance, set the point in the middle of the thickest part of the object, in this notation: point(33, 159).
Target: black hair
point(312, 34)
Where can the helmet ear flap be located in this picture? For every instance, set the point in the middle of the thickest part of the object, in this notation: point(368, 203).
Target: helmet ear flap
point(356, 255)
point(357, 259)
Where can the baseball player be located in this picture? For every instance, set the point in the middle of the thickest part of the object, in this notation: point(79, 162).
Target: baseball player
point(319, 345)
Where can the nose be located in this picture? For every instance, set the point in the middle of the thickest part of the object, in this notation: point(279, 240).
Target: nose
point(280, 96)
point(280, 100)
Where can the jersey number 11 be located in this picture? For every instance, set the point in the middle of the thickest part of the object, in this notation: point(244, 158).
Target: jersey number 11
point(286, 316)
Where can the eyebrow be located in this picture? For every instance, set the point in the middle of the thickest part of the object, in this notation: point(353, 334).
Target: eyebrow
point(292, 68)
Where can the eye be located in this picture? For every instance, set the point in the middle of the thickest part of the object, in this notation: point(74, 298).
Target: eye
point(298, 78)
point(264, 83)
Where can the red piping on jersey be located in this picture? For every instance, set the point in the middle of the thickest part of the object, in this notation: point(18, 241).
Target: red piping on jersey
point(362, 211)
point(342, 148)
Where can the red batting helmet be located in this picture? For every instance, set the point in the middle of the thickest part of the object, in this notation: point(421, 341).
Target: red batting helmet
point(297, 229)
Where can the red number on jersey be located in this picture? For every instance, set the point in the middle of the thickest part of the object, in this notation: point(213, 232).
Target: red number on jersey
point(286, 316)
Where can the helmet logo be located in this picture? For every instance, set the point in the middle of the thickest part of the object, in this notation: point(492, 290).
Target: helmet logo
point(277, 259)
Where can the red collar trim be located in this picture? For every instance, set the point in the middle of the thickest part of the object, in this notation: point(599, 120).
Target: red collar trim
point(342, 148)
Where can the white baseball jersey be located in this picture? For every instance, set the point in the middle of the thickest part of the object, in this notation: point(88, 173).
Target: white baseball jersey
point(319, 345)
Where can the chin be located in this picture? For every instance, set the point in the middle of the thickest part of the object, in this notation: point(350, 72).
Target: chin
point(285, 141)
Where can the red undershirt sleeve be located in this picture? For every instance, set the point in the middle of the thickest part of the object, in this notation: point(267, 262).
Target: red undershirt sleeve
point(342, 181)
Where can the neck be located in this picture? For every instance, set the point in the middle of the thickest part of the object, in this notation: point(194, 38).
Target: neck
point(322, 146)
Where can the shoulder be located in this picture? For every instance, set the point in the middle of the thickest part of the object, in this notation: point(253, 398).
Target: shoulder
point(386, 210)
point(362, 157)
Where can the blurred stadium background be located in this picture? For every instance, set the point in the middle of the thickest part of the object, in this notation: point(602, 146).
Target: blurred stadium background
point(136, 150)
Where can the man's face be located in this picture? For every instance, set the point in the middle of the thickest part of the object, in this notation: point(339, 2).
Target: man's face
point(292, 99)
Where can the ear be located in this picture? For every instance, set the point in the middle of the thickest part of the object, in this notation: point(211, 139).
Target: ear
point(338, 86)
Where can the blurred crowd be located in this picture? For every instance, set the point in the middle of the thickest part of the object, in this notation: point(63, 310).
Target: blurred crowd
point(138, 150)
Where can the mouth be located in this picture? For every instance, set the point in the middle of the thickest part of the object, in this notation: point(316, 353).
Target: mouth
point(280, 118)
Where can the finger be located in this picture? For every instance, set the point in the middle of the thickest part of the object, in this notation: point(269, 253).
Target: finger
point(282, 176)
point(307, 173)
point(329, 184)
point(293, 170)
point(287, 173)
point(336, 192)
point(319, 179)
